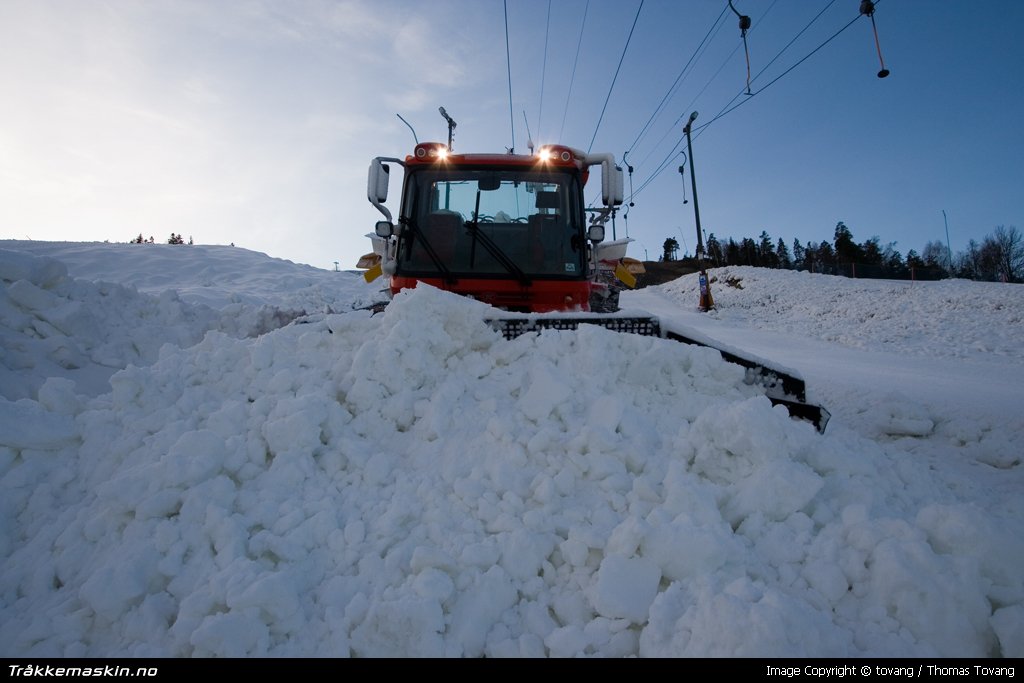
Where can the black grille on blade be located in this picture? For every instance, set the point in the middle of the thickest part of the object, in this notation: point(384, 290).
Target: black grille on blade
point(513, 327)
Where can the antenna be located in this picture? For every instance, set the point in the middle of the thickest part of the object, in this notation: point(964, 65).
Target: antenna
point(451, 127)
point(410, 128)
point(529, 135)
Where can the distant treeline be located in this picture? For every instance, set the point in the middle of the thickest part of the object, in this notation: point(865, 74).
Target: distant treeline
point(999, 257)
point(173, 239)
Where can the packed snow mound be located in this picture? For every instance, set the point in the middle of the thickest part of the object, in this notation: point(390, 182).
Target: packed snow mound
point(413, 484)
point(222, 277)
point(52, 325)
point(86, 325)
point(947, 318)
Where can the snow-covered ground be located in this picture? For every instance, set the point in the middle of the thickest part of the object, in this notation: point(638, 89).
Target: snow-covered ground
point(205, 451)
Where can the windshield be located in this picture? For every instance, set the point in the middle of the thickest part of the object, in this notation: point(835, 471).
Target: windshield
point(492, 223)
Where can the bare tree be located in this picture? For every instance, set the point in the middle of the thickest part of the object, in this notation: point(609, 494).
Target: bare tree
point(1010, 261)
point(935, 254)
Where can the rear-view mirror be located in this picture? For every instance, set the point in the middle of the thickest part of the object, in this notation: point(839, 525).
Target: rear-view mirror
point(489, 183)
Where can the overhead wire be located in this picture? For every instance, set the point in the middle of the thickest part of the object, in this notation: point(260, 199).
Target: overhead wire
point(679, 77)
point(780, 76)
point(729, 109)
point(777, 55)
point(615, 77)
point(508, 63)
point(686, 109)
point(715, 27)
point(572, 79)
point(544, 68)
point(667, 161)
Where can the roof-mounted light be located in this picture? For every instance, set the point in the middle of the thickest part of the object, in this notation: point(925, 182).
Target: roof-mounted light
point(558, 153)
point(426, 151)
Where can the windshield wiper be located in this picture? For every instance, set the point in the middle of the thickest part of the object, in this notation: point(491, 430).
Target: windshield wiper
point(492, 247)
point(427, 247)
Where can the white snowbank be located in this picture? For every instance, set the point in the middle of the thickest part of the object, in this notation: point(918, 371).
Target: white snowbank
point(412, 484)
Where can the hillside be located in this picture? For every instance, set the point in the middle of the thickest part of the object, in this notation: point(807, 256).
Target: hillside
point(660, 272)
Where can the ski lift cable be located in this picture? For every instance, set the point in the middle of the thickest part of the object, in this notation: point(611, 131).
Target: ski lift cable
point(724, 63)
point(667, 160)
point(689, 108)
point(713, 31)
point(795, 38)
point(572, 79)
point(544, 69)
point(780, 76)
point(665, 163)
point(615, 77)
point(697, 131)
point(720, 69)
point(696, 97)
point(679, 77)
point(775, 58)
point(508, 63)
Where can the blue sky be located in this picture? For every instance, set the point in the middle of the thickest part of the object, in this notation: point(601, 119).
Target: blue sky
point(253, 122)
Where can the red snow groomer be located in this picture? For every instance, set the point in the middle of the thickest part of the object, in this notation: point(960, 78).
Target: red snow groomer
point(512, 230)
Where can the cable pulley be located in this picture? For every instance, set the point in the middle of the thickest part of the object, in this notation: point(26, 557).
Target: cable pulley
point(682, 173)
point(867, 7)
point(630, 169)
point(744, 25)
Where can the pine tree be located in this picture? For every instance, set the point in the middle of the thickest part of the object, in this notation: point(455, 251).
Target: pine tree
point(669, 249)
point(847, 252)
point(871, 252)
point(798, 254)
point(732, 253)
point(715, 250)
point(748, 253)
point(782, 259)
point(766, 250)
point(826, 258)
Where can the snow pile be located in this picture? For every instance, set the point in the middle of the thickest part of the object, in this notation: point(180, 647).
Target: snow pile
point(217, 276)
point(412, 484)
point(947, 318)
point(53, 324)
point(933, 368)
